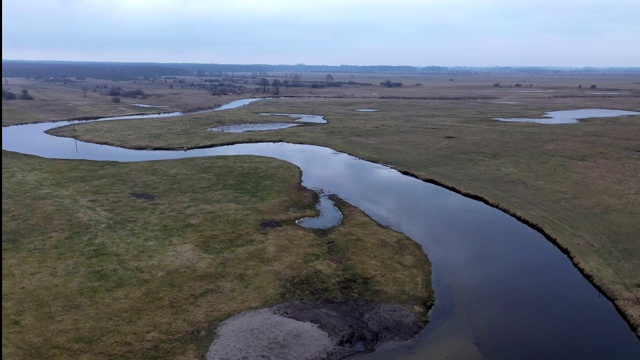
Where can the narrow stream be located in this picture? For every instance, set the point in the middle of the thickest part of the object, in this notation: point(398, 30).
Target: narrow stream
point(502, 290)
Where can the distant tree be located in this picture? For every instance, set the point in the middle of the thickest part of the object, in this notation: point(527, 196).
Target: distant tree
point(388, 83)
point(496, 85)
point(296, 80)
point(593, 86)
point(580, 86)
point(114, 91)
point(24, 95)
point(275, 84)
point(115, 99)
point(132, 93)
point(264, 83)
point(328, 79)
point(8, 95)
point(84, 90)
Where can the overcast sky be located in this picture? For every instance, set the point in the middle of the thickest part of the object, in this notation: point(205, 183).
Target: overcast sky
point(573, 33)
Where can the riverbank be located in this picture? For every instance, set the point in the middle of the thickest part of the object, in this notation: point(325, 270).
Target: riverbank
point(158, 253)
point(627, 309)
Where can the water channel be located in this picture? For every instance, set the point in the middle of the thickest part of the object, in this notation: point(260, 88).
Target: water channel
point(502, 290)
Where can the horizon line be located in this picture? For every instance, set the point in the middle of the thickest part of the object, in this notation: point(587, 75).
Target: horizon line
point(325, 65)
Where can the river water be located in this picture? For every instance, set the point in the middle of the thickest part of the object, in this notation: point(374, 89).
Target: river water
point(502, 290)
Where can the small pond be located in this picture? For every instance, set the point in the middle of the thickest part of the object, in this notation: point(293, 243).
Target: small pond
point(248, 127)
point(329, 216)
point(571, 116)
point(147, 106)
point(240, 128)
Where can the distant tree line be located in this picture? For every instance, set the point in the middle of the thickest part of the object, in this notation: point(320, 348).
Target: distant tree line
point(117, 91)
point(24, 95)
point(128, 71)
point(59, 71)
point(390, 84)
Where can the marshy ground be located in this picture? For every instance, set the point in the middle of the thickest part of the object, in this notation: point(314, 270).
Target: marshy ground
point(91, 268)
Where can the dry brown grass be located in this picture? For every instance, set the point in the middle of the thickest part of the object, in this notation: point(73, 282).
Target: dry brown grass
point(59, 101)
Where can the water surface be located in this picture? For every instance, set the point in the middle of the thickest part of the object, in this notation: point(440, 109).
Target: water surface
point(572, 116)
point(329, 215)
point(148, 106)
point(248, 127)
point(240, 128)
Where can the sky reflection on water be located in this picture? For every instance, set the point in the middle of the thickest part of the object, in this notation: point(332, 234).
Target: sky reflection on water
point(571, 116)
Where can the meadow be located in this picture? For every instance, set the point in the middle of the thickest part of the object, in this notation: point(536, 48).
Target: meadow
point(90, 268)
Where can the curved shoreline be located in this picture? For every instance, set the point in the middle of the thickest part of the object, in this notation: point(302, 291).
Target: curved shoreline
point(633, 325)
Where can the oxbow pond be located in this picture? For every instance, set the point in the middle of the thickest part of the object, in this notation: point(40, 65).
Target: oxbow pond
point(502, 290)
point(571, 116)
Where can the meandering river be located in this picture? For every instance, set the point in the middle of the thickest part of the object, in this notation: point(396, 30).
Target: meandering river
point(502, 290)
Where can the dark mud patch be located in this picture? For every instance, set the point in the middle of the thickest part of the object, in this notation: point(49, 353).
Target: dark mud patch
point(270, 224)
point(143, 196)
point(356, 326)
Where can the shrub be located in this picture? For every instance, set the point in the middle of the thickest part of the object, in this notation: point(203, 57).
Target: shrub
point(389, 84)
point(115, 99)
point(133, 93)
point(24, 95)
point(8, 95)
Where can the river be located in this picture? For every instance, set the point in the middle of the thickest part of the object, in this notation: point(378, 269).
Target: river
point(502, 290)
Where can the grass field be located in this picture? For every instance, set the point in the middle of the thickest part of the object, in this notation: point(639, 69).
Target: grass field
point(578, 182)
point(142, 260)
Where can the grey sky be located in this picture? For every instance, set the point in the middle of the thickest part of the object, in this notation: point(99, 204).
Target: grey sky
point(328, 32)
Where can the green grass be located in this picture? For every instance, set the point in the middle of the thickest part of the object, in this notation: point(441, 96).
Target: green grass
point(91, 271)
